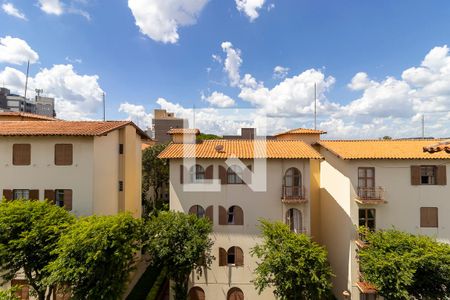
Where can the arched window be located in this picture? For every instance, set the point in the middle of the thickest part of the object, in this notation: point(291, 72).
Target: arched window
point(196, 173)
point(235, 294)
point(197, 210)
point(234, 175)
point(196, 293)
point(292, 183)
point(294, 220)
point(233, 257)
point(233, 216)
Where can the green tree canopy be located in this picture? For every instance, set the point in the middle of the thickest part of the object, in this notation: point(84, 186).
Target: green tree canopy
point(402, 265)
point(29, 231)
point(207, 136)
point(96, 256)
point(181, 243)
point(291, 263)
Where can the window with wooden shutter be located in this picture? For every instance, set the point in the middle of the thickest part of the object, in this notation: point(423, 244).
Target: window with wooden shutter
point(210, 213)
point(209, 172)
point(21, 154)
point(197, 210)
point(49, 195)
point(239, 257)
point(415, 175)
point(34, 194)
point(429, 217)
point(196, 293)
point(231, 256)
point(8, 194)
point(222, 257)
point(441, 176)
point(182, 174)
point(68, 199)
point(222, 175)
point(235, 294)
point(23, 289)
point(238, 216)
point(222, 216)
point(428, 175)
point(21, 194)
point(63, 154)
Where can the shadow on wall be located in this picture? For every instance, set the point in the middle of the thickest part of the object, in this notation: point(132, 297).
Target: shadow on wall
point(337, 234)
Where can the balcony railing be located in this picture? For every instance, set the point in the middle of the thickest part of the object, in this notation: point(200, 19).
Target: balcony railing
point(293, 194)
point(370, 195)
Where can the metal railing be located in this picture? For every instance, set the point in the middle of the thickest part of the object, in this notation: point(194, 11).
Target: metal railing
point(293, 194)
point(370, 193)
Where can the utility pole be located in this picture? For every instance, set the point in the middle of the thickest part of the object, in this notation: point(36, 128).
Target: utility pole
point(104, 106)
point(423, 126)
point(315, 105)
point(26, 80)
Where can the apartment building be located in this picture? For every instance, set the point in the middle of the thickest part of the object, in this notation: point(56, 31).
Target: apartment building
point(87, 167)
point(221, 180)
point(162, 122)
point(40, 105)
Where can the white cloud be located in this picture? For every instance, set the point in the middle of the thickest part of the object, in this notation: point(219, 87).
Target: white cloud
point(137, 114)
point(74, 60)
point(160, 19)
point(216, 58)
point(232, 63)
point(219, 100)
point(16, 51)
point(76, 96)
point(11, 10)
point(280, 72)
point(360, 82)
point(51, 7)
point(250, 7)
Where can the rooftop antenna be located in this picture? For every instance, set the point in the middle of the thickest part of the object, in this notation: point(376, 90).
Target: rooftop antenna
point(104, 106)
point(315, 105)
point(423, 126)
point(38, 92)
point(26, 80)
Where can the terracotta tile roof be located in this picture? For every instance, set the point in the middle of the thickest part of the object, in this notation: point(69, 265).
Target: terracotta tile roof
point(25, 115)
point(381, 149)
point(147, 144)
point(244, 149)
point(183, 131)
point(64, 128)
point(366, 288)
point(442, 146)
point(302, 131)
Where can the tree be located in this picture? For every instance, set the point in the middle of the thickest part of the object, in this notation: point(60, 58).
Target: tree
point(8, 294)
point(155, 177)
point(401, 265)
point(181, 243)
point(291, 263)
point(29, 231)
point(207, 136)
point(96, 256)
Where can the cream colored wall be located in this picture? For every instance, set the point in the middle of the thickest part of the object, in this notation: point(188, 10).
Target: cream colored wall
point(43, 174)
point(133, 171)
point(255, 205)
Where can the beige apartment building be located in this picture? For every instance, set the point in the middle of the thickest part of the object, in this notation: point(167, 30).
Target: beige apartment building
point(319, 187)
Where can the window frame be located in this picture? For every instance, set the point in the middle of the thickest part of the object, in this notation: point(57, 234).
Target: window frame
point(234, 175)
point(15, 154)
point(197, 173)
point(233, 255)
point(231, 215)
point(432, 178)
point(290, 220)
point(58, 193)
point(366, 219)
point(22, 192)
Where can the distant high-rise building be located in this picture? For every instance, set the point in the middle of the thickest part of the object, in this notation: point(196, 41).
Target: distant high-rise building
point(44, 106)
point(162, 122)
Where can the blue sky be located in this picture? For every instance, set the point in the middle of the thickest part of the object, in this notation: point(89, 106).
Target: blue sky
point(137, 64)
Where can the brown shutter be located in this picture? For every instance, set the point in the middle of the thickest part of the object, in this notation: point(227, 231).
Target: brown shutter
point(8, 194)
point(441, 175)
point(222, 257)
point(21, 154)
point(209, 172)
point(210, 213)
point(63, 154)
point(68, 199)
point(222, 175)
point(222, 216)
point(239, 257)
point(181, 174)
point(193, 210)
point(238, 216)
point(49, 195)
point(34, 195)
point(415, 175)
point(428, 217)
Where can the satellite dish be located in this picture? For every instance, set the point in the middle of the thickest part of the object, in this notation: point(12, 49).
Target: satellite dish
point(219, 148)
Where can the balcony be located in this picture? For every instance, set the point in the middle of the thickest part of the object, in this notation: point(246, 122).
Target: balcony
point(370, 195)
point(293, 195)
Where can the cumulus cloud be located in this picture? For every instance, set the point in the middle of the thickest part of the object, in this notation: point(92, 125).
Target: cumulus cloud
point(250, 8)
point(218, 99)
point(58, 7)
point(11, 10)
point(137, 114)
point(51, 7)
point(360, 82)
point(280, 72)
point(161, 19)
point(232, 63)
point(16, 51)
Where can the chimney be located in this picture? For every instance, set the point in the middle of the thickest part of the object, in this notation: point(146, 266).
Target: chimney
point(183, 135)
point(248, 133)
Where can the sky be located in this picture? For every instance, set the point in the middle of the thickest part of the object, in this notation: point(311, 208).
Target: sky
point(379, 67)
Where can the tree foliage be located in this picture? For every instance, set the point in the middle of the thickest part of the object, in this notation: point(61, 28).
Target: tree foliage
point(8, 294)
point(402, 265)
point(181, 243)
point(294, 265)
point(155, 176)
point(96, 256)
point(207, 136)
point(29, 231)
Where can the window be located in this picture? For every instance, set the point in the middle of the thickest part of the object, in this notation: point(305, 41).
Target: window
point(197, 210)
point(367, 218)
point(230, 215)
point(120, 186)
point(21, 154)
point(196, 173)
point(231, 256)
point(294, 220)
point(63, 154)
point(234, 175)
point(59, 198)
point(292, 183)
point(429, 217)
point(235, 294)
point(428, 174)
point(21, 194)
point(120, 148)
point(234, 215)
point(235, 256)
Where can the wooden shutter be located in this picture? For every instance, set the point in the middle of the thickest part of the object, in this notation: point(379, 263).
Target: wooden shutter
point(222, 216)
point(49, 195)
point(222, 257)
point(235, 294)
point(415, 175)
point(239, 257)
point(238, 216)
point(21, 154)
point(63, 154)
point(209, 172)
point(182, 174)
point(34, 195)
point(23, 291)
point(441, 175)
point(196, 293)
point(222, 175)
point(8, 194)
point(68, 199)
point(428, 217)
point(193, 210)
point(210, 213)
